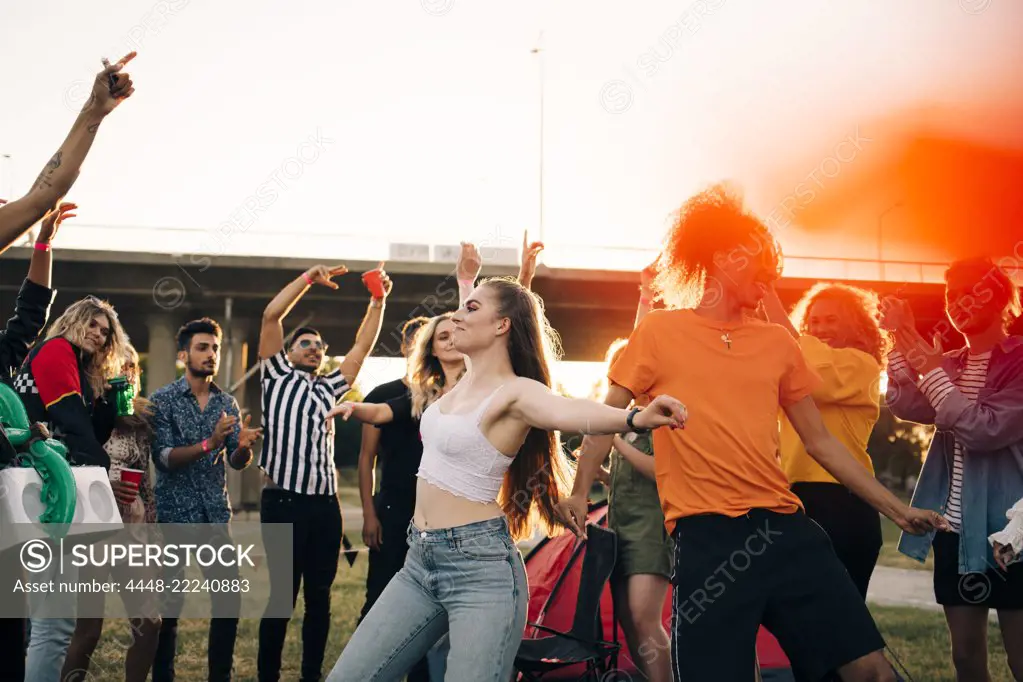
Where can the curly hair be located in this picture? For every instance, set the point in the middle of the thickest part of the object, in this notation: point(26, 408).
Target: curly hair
point(425, 375)
point(73, 324)
point(708, 223)
point(862, 312)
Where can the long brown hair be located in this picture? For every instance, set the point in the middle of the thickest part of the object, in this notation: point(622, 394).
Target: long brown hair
point(425, 375)
point(538, 476)
point(863, 310)
point(73, 324)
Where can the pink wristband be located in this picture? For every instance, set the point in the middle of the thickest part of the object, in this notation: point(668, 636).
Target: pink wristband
point(307, 278)
point(466, 282)
point(42, 246)
point(645, 301)
point(205, 444)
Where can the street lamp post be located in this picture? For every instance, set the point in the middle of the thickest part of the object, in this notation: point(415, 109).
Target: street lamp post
point(538, 51)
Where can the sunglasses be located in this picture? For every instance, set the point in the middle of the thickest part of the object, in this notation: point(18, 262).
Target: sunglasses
point(318, 345)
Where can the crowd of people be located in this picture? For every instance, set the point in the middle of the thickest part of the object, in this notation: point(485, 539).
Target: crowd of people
point(732, 427)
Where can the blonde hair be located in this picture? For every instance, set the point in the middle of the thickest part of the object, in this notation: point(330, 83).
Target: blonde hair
point(863, 310)
point(73, 325)
point(425, 375)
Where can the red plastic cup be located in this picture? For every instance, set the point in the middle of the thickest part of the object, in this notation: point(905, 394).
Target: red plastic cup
point(132, 476)
point(374, 282)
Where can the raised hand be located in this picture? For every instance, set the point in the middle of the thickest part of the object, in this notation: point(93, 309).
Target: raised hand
point(53, 219)
point(112, 86)
point(247, 436)
point(896, 314)
point(530, 252)
point(377, 282)
point(324, 274)
point(662, 411)
point(470, 262)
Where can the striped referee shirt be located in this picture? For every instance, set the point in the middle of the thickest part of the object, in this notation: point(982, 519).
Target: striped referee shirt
point(298, 441)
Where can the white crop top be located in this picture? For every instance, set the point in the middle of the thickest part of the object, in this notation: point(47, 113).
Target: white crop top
point(458, 458)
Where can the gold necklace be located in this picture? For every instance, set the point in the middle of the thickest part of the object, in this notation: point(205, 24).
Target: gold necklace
point(727, 338)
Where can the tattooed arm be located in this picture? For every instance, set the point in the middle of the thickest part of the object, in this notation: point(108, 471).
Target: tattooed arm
point(110, 88)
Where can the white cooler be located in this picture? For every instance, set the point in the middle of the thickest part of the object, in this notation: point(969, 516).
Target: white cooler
point(96, 511)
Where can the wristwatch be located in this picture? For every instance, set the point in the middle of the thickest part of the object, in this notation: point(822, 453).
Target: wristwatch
point(628, 420)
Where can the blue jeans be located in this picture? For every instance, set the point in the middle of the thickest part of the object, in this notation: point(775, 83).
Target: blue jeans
point(51, 626)
point(467, 581)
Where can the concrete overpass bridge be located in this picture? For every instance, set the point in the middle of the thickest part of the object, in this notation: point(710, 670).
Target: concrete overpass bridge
point(157, 283)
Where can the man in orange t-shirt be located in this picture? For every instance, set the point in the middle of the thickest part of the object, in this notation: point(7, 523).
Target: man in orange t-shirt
point(745, 553)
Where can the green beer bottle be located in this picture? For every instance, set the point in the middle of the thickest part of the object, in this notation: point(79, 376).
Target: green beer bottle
point(124, 396)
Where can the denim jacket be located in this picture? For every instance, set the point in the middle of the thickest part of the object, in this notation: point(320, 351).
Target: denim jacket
point(990, 433)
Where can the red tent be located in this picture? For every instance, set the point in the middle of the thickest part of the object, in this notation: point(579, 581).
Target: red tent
point(553, 569)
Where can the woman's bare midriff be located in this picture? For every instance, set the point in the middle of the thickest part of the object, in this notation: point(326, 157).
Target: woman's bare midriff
point(437, 508)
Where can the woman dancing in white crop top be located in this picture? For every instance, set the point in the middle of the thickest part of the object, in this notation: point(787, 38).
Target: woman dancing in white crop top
point(491, 471)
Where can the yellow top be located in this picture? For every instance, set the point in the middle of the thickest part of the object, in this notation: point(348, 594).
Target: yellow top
point(849, 404)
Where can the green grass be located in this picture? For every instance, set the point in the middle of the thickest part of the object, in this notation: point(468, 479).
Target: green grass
point(918, 637)
point(890, 555)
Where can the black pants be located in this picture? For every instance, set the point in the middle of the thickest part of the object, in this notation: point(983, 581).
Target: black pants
point(394, 510)
point(13, 639)
point(853, 526)
point(763, 568)
point(315, 550)
point(223, 625)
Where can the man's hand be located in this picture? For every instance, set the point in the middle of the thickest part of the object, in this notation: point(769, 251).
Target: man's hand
point(53, 219)
point(323, 275)
point(530, 251)
point(920, 521)
point(923, 357)
point(248, 436)
point(572, 511)
point(372, 531)
point(224, 427)
point(1004, 555)
point(111, 87)
point(470, 262)
point(124, 492)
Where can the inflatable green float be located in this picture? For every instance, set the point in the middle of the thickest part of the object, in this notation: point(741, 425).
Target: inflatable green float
point(47, 456)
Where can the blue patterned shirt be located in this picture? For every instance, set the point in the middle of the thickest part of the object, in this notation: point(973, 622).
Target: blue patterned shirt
point(196, 493)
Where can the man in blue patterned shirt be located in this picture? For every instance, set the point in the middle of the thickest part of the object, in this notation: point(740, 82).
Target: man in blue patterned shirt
point(197, 430)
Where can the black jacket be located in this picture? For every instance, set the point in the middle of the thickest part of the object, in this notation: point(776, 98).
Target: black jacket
point(30, 314)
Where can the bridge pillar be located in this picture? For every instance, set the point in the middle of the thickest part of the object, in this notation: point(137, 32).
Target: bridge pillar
point(162, 352)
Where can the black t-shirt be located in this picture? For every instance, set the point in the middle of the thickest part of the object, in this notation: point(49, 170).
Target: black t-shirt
point(401, 448)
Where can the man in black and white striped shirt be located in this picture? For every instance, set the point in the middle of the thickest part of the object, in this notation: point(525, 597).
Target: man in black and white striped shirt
point(298, 460)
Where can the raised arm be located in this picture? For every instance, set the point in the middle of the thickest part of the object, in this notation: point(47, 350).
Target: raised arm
point(539, 407)
point(110, 87)
point(367, 413)
point(530, 251)
point(271, 334)
point(369, 331)
point(467, 270)
point(838, 462)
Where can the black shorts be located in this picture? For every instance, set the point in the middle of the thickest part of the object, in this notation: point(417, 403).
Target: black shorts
point(778, 570)
point(994, 588)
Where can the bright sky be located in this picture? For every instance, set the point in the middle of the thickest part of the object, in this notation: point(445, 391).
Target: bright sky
point(423, 116)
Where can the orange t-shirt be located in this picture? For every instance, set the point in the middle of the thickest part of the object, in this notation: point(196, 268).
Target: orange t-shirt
point(732, 379)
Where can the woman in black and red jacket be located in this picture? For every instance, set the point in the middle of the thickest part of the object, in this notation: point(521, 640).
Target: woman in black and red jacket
point(64, 379)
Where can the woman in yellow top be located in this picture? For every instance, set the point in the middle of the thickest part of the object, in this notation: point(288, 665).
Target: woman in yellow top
point(837, 329)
